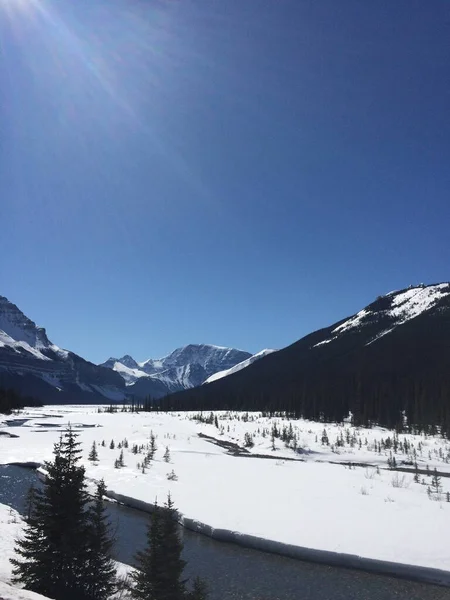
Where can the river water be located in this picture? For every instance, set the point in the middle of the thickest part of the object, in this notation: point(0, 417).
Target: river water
point(236, 573)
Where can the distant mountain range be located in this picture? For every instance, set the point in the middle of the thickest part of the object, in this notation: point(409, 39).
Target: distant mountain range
point(389, 363)
point(184, 368)
point(33, 365)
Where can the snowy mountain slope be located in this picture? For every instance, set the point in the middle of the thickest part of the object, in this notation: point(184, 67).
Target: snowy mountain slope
point(390, 359)
point(130, 375)
point(10, 592)
point(35, 366)
point(239, 366)
point(183, 368)
point(397, 308)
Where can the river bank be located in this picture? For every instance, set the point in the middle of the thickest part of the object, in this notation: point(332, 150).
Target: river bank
point(309, 509)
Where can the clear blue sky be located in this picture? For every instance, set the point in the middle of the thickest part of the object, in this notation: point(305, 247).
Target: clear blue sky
point(236, 172)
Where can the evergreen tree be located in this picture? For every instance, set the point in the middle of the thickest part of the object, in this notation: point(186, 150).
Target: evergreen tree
point(167, 455)
point(93, 454)
point(53, 554)
point(65, 550)
point(172, 549)
point(152, 449)
point(101, 581)
point(436, 482)
point(160, 565)
point(147, 578)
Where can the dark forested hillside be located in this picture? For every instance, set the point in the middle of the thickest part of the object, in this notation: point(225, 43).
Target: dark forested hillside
point(391, 359)
point(11, 400)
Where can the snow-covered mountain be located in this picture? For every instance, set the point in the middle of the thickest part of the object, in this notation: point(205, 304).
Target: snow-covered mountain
point(182, 369)
point(35, 366)
point(239, 366)
point(392, 358)
point(390, 311)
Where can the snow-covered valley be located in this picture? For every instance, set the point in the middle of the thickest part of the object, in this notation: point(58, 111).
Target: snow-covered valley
point(326, 487)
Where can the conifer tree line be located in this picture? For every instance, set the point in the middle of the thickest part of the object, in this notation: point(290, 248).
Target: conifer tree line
point(412, 403)
point(401, 382)
point(65, 552)
point(11, 400)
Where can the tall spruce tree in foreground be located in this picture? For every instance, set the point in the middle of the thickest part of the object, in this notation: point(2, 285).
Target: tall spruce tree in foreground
point(100, 582)
point(160, 566)
point(56, 551)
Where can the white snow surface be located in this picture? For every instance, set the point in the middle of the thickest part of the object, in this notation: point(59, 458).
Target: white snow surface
point(10, 527)
point(413, 302)
point(239, 366)
point(405, 306)
point(130, 375)
point(351, 323)
point(308, 502)
point(18, 346)
point(10, 592)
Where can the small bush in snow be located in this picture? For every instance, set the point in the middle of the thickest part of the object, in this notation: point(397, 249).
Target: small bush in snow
point(248, 440)
point(369, 473)
point(364, 491)
point(172, 476)
point(167, 455)
point(400, 481)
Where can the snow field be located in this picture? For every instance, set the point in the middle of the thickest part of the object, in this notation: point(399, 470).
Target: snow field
point(307, 502)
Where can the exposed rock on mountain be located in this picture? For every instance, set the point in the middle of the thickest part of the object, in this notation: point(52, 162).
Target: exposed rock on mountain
point(34, 366)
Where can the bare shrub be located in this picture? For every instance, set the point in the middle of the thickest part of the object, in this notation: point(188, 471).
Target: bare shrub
point(369, 473)
point(400, 481)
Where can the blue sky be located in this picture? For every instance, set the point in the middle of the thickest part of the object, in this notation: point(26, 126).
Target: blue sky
point(229, 172)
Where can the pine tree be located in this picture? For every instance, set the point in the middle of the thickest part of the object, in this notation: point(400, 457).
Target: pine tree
point(147, 578)
point(167, 455)
point(53, 554)
point(112, 445)
point(172, 549)
point(436, 482)
point(93, 454)
point(152, 449)
point(160, 565)
point(101, 580)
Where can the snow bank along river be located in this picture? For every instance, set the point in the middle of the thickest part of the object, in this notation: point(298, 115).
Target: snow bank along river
point(237, 573)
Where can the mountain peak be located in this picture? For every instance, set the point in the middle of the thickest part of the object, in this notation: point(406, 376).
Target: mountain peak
point(30, 363)
point(185, 367)
point(19, 327)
